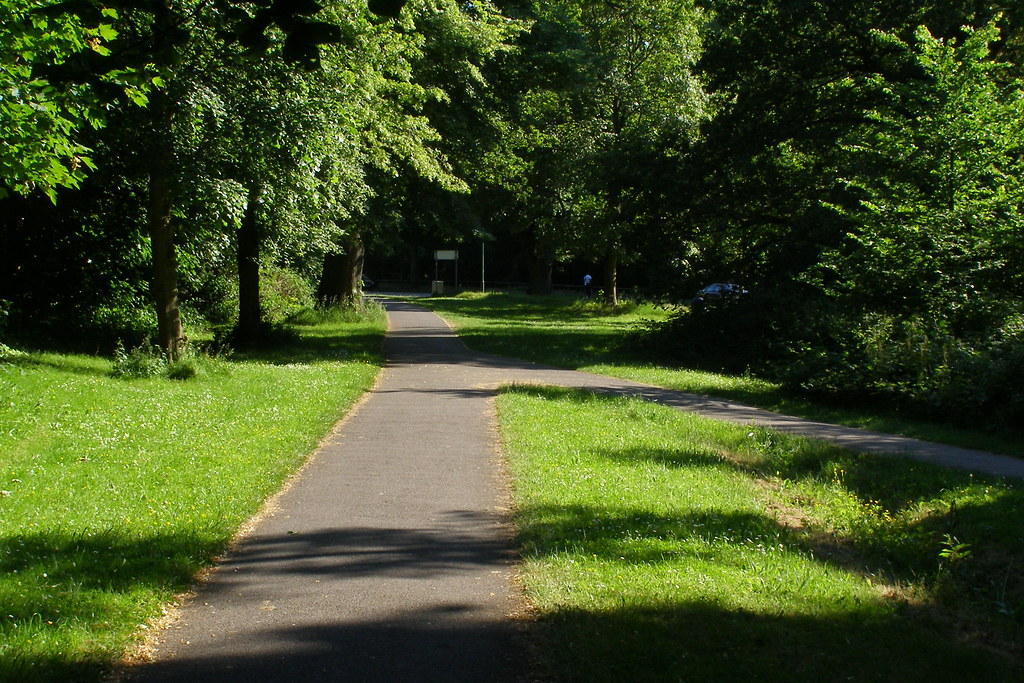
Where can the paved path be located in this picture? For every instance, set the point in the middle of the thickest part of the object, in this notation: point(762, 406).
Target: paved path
point(389, 558)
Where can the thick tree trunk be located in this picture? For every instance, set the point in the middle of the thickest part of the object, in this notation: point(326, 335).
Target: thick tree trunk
point(329, 291)
point(250, 314)
point(611, 278)
point(355, 255)
point(161, 230)
point(341, 277)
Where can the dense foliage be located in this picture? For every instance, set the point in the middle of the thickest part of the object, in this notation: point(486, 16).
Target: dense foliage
point(867, 189)
point(856, 166)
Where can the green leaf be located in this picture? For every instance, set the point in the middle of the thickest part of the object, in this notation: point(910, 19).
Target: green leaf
point(107, 32)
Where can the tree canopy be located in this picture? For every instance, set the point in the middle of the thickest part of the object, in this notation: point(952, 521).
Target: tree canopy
point(855, 166)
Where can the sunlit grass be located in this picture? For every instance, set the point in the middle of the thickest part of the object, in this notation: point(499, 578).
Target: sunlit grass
point(663, 546)
point(568, 332)
point(114, 493)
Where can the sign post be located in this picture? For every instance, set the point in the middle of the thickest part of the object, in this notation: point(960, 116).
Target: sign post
point(445, 255)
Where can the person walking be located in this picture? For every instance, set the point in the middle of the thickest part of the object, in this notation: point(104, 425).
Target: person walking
point(586, 285)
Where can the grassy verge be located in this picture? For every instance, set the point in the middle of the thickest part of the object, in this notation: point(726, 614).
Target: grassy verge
point(114, 493)
point(663, 546)
point(567, 332)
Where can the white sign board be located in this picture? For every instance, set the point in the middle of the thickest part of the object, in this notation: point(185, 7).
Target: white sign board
point(446, 255)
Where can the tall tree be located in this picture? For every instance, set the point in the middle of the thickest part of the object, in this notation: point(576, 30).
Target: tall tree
point(162, 34)
point(598, 86)
point(938, 172)
point(642, 92)
point(789, 81)
point(425, 139)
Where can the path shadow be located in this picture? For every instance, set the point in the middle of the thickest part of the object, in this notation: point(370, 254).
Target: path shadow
point(354, 552)
point(417, 646)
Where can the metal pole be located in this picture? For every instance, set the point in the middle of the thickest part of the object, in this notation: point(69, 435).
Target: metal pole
point(483, 287)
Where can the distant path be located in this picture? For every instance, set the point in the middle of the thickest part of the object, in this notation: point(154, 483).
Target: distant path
point(389, 558)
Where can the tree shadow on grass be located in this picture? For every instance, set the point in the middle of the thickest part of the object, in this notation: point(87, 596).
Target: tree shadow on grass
point(611, 532)
point(905, 549)
point(500, 306)
point(887, 483)
point(59, 582)
point(70, 364)
point(311, 348)
point(567, 347)
point(701, 641)
point(804, 634)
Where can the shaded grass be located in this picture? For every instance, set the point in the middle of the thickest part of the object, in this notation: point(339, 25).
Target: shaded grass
point(662, 546)
point(567, 332)
point(559, 329)
point(115, 493)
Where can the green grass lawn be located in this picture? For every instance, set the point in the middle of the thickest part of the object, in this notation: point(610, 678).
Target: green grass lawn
point(568, 332)
point(663, 546)
point(114, 493)
point(657, 545)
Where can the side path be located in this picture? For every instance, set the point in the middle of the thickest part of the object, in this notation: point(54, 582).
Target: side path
point(388, 558)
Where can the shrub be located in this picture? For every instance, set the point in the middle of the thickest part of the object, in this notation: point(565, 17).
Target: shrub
point(147, 360)
point(964, 368)
point(282, 293)
point(215, 299)
point(112, 323)
point(142, 361)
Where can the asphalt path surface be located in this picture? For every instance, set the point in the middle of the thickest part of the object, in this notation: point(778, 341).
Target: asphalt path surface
point(390, 557)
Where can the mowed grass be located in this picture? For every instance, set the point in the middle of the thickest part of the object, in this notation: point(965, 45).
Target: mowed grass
point(569, 332)
point(561, 330)
point(115, 493)
point(660, 546)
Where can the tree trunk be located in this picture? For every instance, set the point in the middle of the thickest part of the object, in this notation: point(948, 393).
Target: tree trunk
point(611, 277)
point(249, 313)
point(329, 291)
point(341, 277)
point(161, 230)
point(352, 275)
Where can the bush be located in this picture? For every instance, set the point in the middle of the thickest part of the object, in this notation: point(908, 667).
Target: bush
point(816, 346)
point(215, 299)
point(734, 336)
point(914, 364)
point(282, 293)
point(147, 360)
point(114, 323)
point(142, 361)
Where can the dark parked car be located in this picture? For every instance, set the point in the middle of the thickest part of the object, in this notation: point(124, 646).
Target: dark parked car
point(717, 291)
